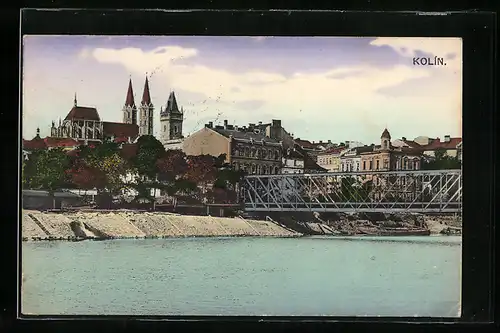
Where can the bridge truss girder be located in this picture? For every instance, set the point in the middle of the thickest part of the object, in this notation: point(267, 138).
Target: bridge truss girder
point(392, 191)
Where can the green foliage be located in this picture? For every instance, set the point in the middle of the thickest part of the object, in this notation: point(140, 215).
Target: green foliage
point(148, 152)
point(353, 190)
point(49, 170)
point(441, 161)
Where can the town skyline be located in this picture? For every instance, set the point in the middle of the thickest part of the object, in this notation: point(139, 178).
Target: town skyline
point(313, 85)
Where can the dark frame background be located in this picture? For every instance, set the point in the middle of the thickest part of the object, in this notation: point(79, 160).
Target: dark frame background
point(477, 31)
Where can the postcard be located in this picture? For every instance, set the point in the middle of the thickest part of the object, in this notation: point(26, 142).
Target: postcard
point(241, 175)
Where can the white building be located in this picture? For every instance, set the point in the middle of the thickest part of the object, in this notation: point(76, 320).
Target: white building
point(350, 159)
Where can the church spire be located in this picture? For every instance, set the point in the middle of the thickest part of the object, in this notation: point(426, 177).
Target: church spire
point(172, 104)
point(129, 101)
point(146, 97)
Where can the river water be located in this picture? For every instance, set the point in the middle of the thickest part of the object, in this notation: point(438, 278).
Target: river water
point(309, 276)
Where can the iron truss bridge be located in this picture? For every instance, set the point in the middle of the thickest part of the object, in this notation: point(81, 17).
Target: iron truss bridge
point(420, 191)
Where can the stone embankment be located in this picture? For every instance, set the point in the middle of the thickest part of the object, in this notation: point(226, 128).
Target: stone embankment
point(79, 225)
point(376, 224)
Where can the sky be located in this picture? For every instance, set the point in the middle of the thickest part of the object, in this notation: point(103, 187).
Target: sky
point(321, 88)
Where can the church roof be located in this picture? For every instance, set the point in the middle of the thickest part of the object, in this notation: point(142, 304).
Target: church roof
point(120, 129)
point(146, 97)
point(171, 106)
point(129, 101)
point(83, 113)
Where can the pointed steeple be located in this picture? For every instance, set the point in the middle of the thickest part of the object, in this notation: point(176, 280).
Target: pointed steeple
point(172, 104)
point(385, 134)
point(129, 101)
point(146, 97)
point(74, 101)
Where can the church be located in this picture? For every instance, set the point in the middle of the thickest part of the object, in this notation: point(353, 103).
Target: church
point(83, 124)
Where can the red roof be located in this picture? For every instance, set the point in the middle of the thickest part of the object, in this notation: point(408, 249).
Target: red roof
point(60, 142)
point(146, 98)
point(130, 95)
point(438, 144)
point(83, 112)
point(35, 143)
point(120, 129)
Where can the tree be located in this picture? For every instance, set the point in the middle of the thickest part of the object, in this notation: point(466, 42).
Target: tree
point(201, 169)
point(29, 169)
point(172, 165)
point(441, 161)
point(50, 170)
point(149, 151)
point(87, 177)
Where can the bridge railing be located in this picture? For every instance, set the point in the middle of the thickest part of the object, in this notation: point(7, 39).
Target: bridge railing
point(412, 191)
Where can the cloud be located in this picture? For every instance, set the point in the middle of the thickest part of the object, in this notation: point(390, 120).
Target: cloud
point(84, 54)
point(449, 48)
point(271, 87)
point(337, 96)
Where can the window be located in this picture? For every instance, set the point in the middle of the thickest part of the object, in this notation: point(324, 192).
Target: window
point(176, 129)
point(371, 165)
point(364, 165)
point(357, 166)
point(378, 164)
point(164, 128)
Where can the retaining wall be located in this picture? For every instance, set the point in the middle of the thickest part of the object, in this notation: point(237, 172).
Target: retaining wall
point(123, 224)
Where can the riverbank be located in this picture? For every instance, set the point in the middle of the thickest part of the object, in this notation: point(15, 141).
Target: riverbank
point(371, 224)
point(101, 225)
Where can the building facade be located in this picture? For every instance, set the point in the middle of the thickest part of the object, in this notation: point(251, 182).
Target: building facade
point(387, 157)
point(84, 125)
point(330, 159)
point(250, 151)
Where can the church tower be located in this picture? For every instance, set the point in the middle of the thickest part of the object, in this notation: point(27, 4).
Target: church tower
point(146, 112)
point(129, 109)
point(171, 119)
point(385, 140)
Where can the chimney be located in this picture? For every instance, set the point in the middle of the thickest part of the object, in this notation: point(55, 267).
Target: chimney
point(329, 141)
point(276, 123)
point(225, 124)
point(320, 141)
point(446, 138)
point(236, 128)
point(260, 122)
point(210, 124)
point(403, 138)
